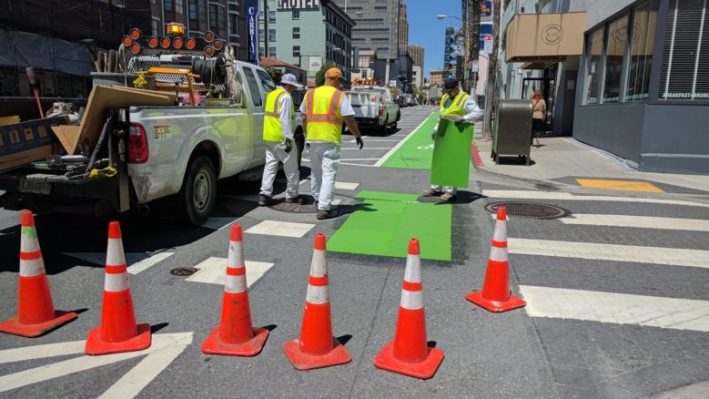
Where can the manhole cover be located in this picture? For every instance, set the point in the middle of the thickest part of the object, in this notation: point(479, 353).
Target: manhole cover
point(183, 271)
point(308, 206)
point(529, 209)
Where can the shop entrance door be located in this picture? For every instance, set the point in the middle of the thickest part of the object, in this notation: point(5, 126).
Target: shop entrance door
point(547, 86)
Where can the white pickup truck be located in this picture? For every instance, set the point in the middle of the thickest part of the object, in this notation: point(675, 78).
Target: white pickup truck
point(148, 153)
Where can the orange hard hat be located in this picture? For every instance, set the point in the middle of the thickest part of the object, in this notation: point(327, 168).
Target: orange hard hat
point(333, 73)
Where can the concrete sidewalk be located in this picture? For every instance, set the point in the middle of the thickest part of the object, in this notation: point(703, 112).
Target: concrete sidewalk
point(557, 158)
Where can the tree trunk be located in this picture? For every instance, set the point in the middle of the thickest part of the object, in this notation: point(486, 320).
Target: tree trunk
point(490, 91)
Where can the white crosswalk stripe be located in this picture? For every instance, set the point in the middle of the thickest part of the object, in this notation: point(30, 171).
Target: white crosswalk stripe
point(545, 195)
point(213, 270)
point(642, 222)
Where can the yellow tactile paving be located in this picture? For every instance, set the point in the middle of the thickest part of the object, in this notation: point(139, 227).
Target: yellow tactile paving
point(621, 185)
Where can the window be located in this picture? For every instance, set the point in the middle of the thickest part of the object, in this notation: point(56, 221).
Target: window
point(594, 50)
point(272, 52)
point(685, 65)
point(169, 5)
point(296, 51)
point(192, 10)
point(253, 87)
point(615, 50)
point(296, 14)
point(213, 17)
point(233, 24)
point(266, 82)
point(271, 17)
point(272, 35)
point(296, 32)
point(179, 6)
point(641, 48)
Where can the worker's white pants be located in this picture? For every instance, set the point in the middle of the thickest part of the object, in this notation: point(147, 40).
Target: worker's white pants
point(324, 158)
point(447, 189)
point(275, 154)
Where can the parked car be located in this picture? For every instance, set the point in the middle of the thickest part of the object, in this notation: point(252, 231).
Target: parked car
point(374, 108)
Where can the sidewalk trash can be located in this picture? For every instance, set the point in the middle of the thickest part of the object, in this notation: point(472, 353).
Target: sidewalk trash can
point(512, 129)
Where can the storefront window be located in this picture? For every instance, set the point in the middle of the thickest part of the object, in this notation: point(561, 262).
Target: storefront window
point(594, 50)
point(617, 37)
point(685, 66)
point(641, 48)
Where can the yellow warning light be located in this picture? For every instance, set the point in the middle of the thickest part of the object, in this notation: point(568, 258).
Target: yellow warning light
point(175, 29)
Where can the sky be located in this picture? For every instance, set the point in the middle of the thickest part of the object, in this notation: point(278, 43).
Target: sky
point(429, 32)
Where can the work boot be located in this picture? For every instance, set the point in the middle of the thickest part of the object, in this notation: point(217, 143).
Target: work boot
point(446, 197)
point(295, 200)
point(326, 214)
point(429, 192)
point(264, 200)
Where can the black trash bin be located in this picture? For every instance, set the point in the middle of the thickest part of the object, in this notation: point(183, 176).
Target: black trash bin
point(513, 129)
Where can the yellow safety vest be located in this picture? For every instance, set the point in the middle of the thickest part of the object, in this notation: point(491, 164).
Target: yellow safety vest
point(456, 106)
point(322, 113)
point(272, 130)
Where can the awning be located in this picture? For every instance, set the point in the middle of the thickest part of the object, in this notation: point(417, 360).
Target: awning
point(536, 38)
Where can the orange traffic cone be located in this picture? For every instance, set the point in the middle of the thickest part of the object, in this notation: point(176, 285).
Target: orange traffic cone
point(118, 331)
point(316, 347)
point(409, 353)
point(35, 310)
point(495, 295)
point(235, 335)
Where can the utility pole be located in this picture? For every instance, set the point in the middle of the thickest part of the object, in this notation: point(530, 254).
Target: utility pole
point(471, 34)
point(492, 70)
point(265, 28)
point(475, 37)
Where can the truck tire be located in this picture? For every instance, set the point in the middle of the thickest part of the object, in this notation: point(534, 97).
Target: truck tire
point(198, 195)
point(383, 128)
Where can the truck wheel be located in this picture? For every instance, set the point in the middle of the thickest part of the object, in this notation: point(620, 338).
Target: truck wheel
point(198, 196)
point(383, 128)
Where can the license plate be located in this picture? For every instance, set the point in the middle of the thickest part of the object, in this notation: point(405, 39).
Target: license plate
point(35, 186)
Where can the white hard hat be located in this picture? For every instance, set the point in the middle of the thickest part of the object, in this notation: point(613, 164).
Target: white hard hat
point(289, 79)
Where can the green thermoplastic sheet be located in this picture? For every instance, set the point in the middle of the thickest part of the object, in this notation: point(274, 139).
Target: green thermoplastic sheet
point(451, 154)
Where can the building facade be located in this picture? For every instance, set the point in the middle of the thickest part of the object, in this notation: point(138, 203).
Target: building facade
point(453, 48)
point(308, 34)
point(417, 55)
point(380, 26)
point(439, 75)
point(403, 39)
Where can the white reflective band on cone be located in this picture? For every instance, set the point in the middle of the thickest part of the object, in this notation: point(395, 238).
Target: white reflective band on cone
point(318, 266)
point(412, 273)
point(318, 294)
point(498, 254)
point(31, 267)
point(116, 282)
point(412, 300)
point(235, 284)
point(28, 241)
point(114, 254)
point(500, 231)
point(236, 254)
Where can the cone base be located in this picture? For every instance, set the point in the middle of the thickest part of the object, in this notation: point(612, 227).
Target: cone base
point(495, 306)
point(215, 346)
point(95, 345)
point(13, 326)
point(305, 361)
point(424, 370)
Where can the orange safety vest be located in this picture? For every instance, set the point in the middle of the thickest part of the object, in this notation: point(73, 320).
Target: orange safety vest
point(322, 113)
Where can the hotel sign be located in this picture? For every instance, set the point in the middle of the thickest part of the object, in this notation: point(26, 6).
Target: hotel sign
point(298, 4)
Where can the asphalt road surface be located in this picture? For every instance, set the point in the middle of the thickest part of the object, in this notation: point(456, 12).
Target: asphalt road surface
point(617, 292)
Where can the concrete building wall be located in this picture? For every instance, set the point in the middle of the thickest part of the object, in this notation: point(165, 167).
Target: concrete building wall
point(377, 25)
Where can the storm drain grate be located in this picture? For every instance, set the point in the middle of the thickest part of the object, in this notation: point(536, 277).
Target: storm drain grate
point(183, 271)
point(533, 210)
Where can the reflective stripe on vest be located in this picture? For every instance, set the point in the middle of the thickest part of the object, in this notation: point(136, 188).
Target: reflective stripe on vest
point(456, 107)
point(322, 112)
point(272, 129)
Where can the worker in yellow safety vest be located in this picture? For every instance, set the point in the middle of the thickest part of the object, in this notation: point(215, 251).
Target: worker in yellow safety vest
point(325, 109)
point(454, 102)
point(278, 124)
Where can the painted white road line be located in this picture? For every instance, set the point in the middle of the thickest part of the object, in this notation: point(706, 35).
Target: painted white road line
point(160, 342)
point(386, 156)
point(642, 222)
point(212, 271)
point(359, 159)
point(42, 351)
point(364, 148)
point(343, 185)
point(607, 307)
point(336, 201)
point(282, 229)
point(610, 252)
point(370, 140)
point(144, 264)
point(545, 195)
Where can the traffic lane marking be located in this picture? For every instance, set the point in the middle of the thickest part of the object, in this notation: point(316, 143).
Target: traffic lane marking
point(343, 185)
point(213, 271)
point(543, 195)
point(407, 136)
point(608, 307)
point(610, 252)
point(42, 351)
point(620, 185)
point(282, 229)
point(160, 342)
point(643, 222)
point(148, 262)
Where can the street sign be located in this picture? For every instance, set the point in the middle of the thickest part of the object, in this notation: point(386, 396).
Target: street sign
point(314, 64)
point(475, 67)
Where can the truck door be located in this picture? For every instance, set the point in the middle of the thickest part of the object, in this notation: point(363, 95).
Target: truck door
point(257, 101)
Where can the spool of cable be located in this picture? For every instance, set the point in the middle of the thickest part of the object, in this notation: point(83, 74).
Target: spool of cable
point(211, 70)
